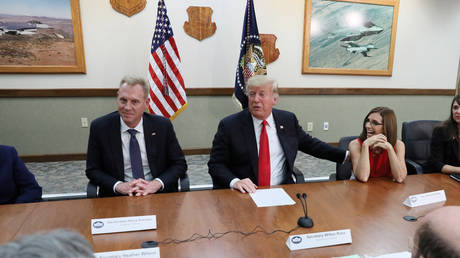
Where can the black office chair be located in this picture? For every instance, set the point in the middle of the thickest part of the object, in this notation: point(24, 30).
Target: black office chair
point(298, 175)
point(343, 170)
point(184, 186)
point(416, 135)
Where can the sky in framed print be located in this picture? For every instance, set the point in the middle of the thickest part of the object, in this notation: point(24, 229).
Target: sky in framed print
point(347, 35)
point(36, 32)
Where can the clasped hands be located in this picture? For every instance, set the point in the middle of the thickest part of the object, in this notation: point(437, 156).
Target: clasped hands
point(138, 187)
point(377, 143)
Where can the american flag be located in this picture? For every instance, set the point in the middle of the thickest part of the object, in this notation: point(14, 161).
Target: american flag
point(167, 88)
point(251, 60)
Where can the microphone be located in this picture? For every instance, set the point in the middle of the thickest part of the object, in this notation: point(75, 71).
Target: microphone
point(305, 222)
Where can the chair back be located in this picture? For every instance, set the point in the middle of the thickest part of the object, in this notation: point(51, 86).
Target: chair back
point(416, 136)
point(343, 170)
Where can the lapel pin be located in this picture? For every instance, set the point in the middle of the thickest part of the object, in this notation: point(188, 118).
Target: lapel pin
point(281, 127)
point(154, 133)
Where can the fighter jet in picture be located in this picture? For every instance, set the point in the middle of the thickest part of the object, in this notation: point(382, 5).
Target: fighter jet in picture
point(354, 34)
point(355, 48)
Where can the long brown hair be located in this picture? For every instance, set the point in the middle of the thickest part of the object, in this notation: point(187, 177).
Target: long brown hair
point(450, 124)
point(390, 124)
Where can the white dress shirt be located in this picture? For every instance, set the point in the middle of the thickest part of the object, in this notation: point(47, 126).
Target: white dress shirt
point(125, 139)
point(277, 158)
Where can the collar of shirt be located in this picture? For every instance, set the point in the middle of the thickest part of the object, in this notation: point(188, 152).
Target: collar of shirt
point(139, 128)
point(258, 122)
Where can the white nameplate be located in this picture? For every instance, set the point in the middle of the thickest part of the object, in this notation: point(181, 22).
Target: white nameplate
point(425, 198)
point(305, 241)
point(143, 252)
point(123, 224)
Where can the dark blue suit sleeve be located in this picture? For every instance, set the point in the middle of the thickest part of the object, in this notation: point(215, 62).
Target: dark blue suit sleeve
point(29, 190)
point(318, 148)
point(176, 163)
point(94, 161)
point(220, 158)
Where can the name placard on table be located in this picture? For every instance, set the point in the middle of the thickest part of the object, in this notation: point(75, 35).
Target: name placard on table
point(425, 198)
point(305, 241)
point(123, 224)
point(142, 253)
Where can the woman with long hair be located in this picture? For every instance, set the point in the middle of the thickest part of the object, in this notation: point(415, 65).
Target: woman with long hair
point(377, 152)
point(445, 142)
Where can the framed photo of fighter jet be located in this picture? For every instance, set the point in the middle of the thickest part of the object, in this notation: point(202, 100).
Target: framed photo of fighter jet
point(355, 37)
point(41, 36)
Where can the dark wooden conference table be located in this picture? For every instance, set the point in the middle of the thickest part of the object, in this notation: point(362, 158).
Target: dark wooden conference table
point(373, 211)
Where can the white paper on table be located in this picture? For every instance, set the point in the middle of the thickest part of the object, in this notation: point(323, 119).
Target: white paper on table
point(392, 255)
point(271, 197)
point(139, 253)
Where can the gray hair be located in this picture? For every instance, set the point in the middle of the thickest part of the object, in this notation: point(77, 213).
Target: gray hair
point(55, 244)
point(131, 81)
point(259, 80)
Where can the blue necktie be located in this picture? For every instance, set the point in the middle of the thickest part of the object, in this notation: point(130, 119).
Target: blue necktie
point(135, 155)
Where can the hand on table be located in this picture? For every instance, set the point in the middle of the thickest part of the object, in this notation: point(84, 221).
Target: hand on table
point(245, 186)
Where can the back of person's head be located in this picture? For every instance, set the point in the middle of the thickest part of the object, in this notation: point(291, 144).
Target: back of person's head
point(439, 234)
point(390, 125)
point(55, 244)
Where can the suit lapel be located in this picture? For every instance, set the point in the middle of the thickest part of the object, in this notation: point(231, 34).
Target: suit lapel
point(115, 141)
point(150, 138)
point(280, 131)
point(249, 135)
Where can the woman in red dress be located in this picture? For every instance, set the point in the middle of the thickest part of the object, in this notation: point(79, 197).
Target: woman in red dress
point(377, 152)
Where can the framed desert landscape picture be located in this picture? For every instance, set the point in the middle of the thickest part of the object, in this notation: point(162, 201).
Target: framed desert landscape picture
point(349, 36)
point(41, 36)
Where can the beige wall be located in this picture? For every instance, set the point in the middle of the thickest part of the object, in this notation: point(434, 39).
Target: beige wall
point(38, 126)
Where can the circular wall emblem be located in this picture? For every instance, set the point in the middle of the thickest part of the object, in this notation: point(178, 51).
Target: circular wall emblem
point(296, 240)
point(98, 224)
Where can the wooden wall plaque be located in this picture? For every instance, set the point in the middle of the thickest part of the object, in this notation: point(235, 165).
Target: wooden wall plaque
point(199, 24)
point(128, 7)
point(268, 42)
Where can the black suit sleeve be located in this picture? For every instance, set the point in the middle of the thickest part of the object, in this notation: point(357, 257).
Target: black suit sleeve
point(437, 150)
point(29, 190)
point(176, 164)
point(94, 161)
point(318, 148)
point(220, 158)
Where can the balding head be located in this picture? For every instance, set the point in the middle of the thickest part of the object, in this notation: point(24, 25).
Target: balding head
point(439, 234)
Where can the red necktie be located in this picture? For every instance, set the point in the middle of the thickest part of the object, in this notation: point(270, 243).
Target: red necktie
point(264, 157)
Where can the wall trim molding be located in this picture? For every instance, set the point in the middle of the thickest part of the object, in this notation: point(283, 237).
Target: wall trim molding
point(100, 92)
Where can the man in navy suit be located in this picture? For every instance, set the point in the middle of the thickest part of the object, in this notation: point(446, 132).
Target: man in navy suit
point(131, 152)
point(17, 184)
point(258, 146)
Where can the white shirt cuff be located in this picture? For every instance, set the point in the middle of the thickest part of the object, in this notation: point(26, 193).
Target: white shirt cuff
point(232, 183)
point(346, 157)
point(161, 182)
point(115, 185)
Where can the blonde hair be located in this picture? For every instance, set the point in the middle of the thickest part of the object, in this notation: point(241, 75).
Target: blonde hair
point(131, 81)
point(259, 80)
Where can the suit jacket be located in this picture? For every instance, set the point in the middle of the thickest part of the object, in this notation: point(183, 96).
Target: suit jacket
point(17, 184)
point(444, 150)
point(104, 163)
point(234, 149)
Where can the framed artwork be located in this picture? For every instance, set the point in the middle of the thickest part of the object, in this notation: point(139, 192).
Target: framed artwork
point(349, 36)
point(41, 36)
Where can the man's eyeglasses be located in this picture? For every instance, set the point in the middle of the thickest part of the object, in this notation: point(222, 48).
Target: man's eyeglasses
point(373, 123)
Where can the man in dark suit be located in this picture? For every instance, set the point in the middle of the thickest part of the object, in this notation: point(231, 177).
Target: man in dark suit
point(131, 152)
point(258, 146)
point(17, 184)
